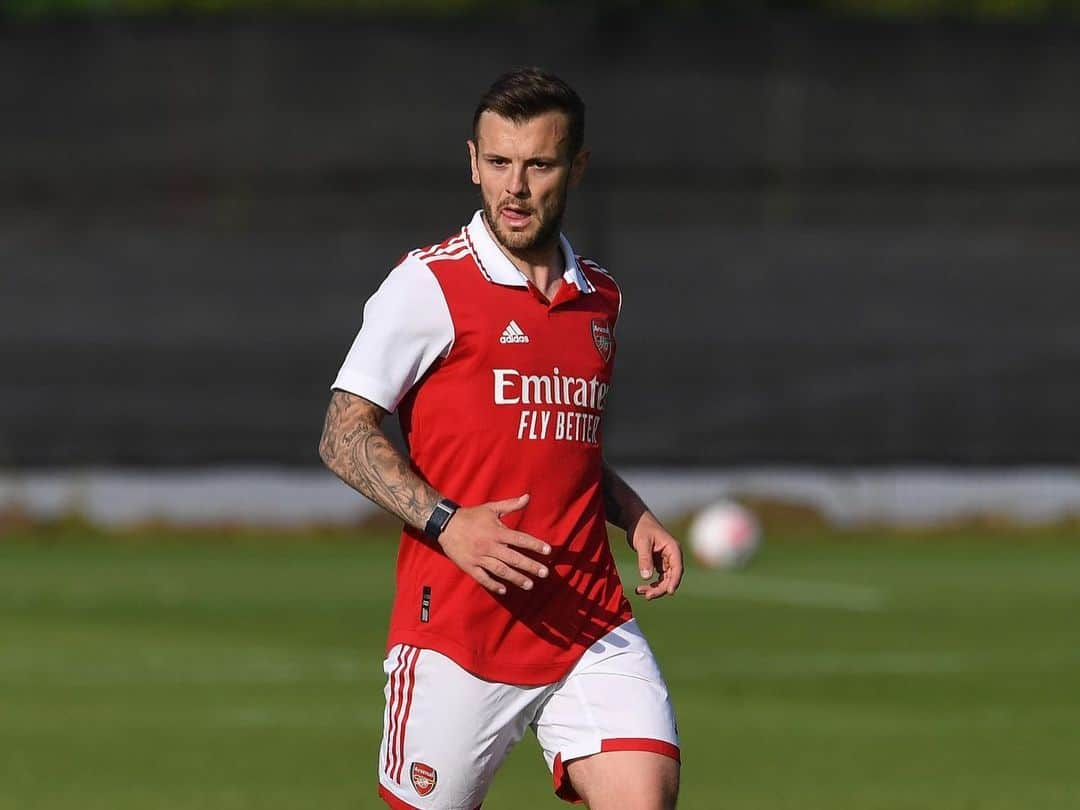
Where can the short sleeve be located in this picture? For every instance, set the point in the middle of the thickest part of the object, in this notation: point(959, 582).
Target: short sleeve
point(406, 328)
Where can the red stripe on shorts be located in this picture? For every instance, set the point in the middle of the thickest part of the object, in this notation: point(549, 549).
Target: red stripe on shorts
point(392, 709)
point(393, 801)
point(641, 744)
point(405, 715)
point(404, 696)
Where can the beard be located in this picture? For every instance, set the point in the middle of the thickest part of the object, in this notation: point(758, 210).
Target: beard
point(548, 224)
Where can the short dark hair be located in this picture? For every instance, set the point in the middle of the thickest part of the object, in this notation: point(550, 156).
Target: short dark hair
point(525, 93)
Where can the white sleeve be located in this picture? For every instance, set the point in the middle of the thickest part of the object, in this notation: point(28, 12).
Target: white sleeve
point(406, 328)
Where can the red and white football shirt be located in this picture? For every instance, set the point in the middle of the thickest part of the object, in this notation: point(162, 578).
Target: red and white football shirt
point(499, 393)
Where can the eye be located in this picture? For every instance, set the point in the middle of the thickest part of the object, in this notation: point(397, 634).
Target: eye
point(497, 161)
point(541, 164)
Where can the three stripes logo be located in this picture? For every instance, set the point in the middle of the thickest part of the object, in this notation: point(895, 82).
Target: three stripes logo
point(513, 334)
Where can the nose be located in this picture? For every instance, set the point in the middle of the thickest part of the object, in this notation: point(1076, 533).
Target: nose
point(516, 184)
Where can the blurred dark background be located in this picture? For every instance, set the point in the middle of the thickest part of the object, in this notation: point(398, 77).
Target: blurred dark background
point(846, 234)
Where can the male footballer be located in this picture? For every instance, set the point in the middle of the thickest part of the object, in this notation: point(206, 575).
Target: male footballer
point(496, 349)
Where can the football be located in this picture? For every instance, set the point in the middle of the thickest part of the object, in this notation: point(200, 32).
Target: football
point(724, 535)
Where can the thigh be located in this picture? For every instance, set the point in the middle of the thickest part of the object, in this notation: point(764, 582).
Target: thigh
point(626, 780)
point(445, 731)
point(613, 700)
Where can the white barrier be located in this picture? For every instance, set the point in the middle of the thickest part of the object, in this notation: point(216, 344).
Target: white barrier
point(897, 497)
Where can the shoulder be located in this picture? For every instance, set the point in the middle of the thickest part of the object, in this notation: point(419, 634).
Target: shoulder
point(599, 277)
point(602, 281)
point(410, 286)
point(419, 266)
point(451, 249)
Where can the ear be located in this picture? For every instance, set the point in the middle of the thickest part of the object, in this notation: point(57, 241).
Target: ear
point(577, 167)
point(473, 166)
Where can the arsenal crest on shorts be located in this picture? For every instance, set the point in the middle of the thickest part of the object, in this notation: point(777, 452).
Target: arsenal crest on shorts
point(423, 778)
point(601, 335)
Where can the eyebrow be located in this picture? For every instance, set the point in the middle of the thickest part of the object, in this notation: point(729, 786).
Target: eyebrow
point(544, 158)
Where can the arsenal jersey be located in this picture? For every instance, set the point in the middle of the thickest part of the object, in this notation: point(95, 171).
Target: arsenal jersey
point(499, 392)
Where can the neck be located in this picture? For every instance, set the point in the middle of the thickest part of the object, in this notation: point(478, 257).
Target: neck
point(543, 265)
point(544, 268)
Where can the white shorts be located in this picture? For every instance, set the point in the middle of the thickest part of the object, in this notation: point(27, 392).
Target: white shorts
point(445, 731)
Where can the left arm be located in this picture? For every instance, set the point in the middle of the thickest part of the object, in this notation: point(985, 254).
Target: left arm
point(656, 549)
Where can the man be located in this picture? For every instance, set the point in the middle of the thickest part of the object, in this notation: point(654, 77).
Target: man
point(496, 348)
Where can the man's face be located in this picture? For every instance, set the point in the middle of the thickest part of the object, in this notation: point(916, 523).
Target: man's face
point(524, 172)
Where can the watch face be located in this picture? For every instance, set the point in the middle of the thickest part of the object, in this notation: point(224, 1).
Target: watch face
point(448, 512)
point(440, 516)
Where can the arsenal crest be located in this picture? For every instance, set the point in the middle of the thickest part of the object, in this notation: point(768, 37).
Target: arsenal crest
point(601, 335)
point(423, 778)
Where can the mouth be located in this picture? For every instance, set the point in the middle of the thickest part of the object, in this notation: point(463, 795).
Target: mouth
point(515, 216)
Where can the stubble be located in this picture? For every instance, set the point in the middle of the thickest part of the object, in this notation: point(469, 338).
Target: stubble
point(545, 235)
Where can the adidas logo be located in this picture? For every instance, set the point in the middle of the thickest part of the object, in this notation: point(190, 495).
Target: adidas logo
point(513, 334)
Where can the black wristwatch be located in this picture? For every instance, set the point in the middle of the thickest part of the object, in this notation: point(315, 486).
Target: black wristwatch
point(440, 516)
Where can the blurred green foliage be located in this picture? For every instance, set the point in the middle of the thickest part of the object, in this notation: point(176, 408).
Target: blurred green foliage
point(125, 8)
point(979, 10)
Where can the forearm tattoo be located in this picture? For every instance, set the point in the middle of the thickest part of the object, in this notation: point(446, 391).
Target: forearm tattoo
point(623, 506)
point(357, 451)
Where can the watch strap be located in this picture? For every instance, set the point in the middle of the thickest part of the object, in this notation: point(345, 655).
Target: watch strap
point(440, 516)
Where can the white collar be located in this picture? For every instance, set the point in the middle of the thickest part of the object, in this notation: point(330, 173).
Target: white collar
point(497, 267)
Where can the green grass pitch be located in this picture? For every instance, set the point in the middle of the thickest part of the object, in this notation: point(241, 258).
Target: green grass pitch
point(164, 673)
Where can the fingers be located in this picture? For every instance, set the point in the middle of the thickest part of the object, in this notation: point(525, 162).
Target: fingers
point(673, 563)
point(512, 567)
point(522, 563)
point(653, 590)
point(670, 575)
point(645, 561)
point(491, 572)
point(509, 505)
point(481, 576)
point(482, 546)
point(498, 568)
point(650, 590)
point(515, 538)
point(522, 540)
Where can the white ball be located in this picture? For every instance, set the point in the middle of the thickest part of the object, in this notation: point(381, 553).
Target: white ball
point(724, 535)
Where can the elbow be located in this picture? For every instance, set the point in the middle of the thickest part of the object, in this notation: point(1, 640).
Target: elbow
point(326, 452)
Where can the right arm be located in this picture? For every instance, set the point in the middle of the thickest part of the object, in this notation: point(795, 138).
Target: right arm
point(355, 448)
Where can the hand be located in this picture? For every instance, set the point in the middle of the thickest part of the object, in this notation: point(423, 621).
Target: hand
point(657, 552)
point(481, 546)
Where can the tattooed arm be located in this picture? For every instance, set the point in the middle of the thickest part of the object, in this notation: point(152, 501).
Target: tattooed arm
point(657, 551)
point(356, 450)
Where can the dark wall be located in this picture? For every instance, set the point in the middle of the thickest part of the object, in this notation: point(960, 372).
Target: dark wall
point(852, 244)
